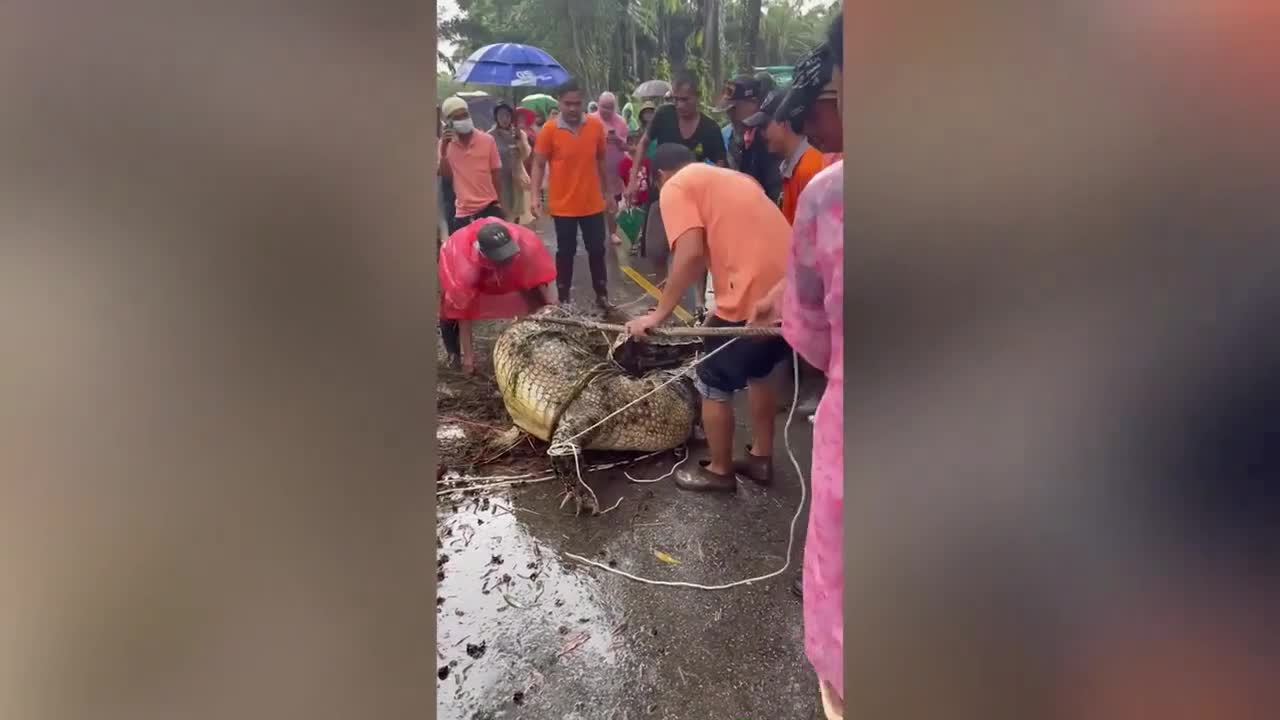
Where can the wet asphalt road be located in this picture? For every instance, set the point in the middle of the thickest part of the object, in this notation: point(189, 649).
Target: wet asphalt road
point(524, 632)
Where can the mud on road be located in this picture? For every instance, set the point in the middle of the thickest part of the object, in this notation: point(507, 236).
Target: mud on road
point(524, 632)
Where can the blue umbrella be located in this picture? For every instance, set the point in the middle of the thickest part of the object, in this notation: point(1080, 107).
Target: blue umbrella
point(511, 65)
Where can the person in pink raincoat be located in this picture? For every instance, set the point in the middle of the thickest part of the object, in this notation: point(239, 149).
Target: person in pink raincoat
point(490, 270)
point(810, 303)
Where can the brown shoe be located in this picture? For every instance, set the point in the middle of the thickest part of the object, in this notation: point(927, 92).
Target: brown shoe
point(755, 467)
point(700, 479)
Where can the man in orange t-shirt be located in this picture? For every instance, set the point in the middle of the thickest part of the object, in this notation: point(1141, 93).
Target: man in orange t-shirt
point(800, 161)
point(573, 145)
point(721, 220)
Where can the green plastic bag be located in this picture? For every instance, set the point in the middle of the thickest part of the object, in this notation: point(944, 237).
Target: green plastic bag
point(630, 222)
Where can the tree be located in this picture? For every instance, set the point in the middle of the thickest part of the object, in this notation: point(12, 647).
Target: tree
point(752, 33)
point(711, 40)
point(615, 44)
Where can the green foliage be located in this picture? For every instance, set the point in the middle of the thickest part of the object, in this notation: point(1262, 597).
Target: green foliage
point(661, 69)
point(697, 63)
point(648, 38)
point(445, 86)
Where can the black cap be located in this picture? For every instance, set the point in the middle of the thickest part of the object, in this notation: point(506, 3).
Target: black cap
point(495, 242)
point(743, 87)
point(768, 109)
point(767, 82)
point(669, 157)
point(811, 82)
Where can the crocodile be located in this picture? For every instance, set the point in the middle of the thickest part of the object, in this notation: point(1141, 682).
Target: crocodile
point(563, 384)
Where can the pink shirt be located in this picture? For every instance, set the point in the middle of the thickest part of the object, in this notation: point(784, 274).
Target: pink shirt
point(616, 124)
point(614, 150)
point(473, 164)
point(813, 324)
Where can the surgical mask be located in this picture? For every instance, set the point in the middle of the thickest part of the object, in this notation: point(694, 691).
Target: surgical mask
point(463, 126)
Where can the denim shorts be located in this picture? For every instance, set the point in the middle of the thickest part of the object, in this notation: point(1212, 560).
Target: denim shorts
point(747, 360)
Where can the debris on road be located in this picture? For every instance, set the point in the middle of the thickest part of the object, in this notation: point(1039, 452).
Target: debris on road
point(665, 558)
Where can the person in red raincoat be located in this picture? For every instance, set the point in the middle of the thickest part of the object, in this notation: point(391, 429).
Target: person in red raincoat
point(490, 270)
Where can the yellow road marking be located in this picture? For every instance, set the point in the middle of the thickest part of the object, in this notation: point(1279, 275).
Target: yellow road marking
point(649, 288)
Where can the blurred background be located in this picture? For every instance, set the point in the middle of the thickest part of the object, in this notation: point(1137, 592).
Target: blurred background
point(216, 367)
point(1060, 444)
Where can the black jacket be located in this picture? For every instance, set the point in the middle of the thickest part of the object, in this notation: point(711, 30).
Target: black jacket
point(759, 163)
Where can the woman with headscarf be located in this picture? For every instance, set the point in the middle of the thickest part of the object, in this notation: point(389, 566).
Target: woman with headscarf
point(810, 304)
point(513, 148)
point(645, 117)
point(527, 121)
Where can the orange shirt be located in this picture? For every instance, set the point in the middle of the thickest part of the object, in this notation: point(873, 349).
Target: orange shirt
point(473, 165)
point(573, 188)
point(810, 163)
point(748, 239)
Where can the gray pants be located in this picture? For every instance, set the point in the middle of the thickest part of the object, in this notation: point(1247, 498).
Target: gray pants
point(656, 240)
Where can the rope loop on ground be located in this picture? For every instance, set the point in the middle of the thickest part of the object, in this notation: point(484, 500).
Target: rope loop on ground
point(569, 446)
point(786, 440)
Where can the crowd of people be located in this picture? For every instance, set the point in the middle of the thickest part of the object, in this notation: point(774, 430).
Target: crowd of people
point(750, 220)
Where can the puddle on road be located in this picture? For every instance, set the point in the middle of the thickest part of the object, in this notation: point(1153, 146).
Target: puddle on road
point(510, 619)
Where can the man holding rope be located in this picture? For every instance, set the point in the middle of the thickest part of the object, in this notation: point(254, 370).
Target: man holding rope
point(721, 220)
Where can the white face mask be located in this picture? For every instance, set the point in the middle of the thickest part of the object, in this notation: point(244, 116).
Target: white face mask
point(463, 126)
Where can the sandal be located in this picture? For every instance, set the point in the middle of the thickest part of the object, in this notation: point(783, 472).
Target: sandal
point(700, 479)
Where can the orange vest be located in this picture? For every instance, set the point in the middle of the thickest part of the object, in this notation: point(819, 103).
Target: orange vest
point(810, 163)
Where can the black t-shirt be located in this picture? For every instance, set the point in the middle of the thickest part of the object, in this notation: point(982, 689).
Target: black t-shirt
point(764, 166)
point(706, 143)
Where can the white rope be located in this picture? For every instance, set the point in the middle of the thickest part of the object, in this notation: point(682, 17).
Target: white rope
point(569, 447)
point(464, 483)
point(595, 502)
point(466, 479)
point(674, 377)
point(791, 538)
point(660, 478)
point(486, 486)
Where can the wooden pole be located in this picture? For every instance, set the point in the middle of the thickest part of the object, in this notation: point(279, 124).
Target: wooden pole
point(698, 331)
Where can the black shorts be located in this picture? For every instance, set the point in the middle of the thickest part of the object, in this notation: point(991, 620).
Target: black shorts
point(749, 358)
point(492, 210)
